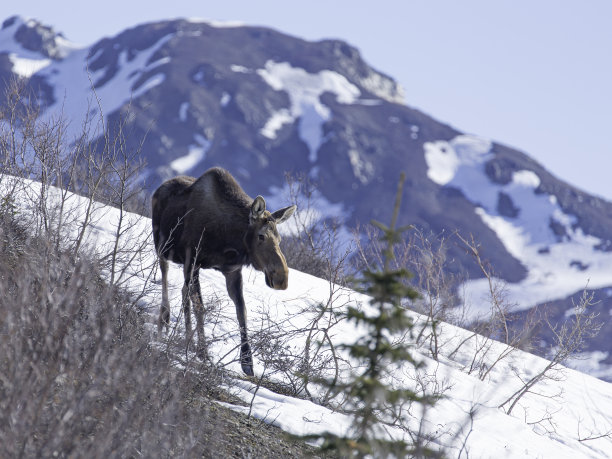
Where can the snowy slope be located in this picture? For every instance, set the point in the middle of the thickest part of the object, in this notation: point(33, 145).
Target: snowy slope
point(548, 423)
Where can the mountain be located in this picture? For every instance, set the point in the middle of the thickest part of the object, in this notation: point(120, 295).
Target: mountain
point(194, 94)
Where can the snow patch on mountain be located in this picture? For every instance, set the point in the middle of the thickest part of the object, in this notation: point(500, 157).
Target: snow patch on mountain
point(225, 99)
point(384, 87)
point(559, 257)
point(239, 69)
point(363, 170)
point(454, 160)
point(217, 24)
point(277, 121)
point(25, 67)
point(149, 84)
point(183, 110)
point(304, 90)
point(197, 153)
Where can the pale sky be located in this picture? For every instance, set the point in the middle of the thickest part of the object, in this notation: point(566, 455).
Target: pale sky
point(532, 74)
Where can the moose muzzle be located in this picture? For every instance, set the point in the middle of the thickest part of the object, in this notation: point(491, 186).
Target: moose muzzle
point(277, 279)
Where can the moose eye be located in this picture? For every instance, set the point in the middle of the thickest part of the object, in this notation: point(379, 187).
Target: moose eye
point(261, 237)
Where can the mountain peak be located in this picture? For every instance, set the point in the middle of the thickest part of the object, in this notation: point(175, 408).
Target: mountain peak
point(34, 36)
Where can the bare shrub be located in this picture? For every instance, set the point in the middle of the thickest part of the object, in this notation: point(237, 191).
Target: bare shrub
point(78, 375)
point(570, 339)
point(97, 167)
point(314, 246)
point(440, 300)
point(495, 326)
point(425, 256)
point(290, 368)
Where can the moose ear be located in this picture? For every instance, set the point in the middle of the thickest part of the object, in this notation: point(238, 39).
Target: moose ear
point(283, 214)
point(257, 208)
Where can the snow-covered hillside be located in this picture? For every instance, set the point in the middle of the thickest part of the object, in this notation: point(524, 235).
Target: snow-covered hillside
point(564, 417)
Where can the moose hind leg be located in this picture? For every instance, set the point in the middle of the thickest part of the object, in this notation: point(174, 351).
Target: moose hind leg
point(164, 313)
point(187, 309)
point(198, 309)
point(233, 281)
point(190, 272)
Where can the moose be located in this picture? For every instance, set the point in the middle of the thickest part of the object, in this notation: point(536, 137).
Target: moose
point(210, 222)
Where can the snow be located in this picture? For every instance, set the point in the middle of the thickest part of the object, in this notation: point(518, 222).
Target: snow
point(197, 154)
point(225, 99)
point(368, 102)
point(553, 261)
point(239, 69)
point(281, 411)
point(275, 122)
point(548, 423)
point(363, 170)
point(183, 110)
point(149, 84)
point(25, 67)
point(113, 95)
point(384, 87)
point(218, 24)
point(304, 91)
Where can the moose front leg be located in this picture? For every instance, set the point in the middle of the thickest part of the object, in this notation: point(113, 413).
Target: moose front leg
point(233, 281)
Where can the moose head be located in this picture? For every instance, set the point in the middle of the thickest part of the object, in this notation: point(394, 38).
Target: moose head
point(263, 243)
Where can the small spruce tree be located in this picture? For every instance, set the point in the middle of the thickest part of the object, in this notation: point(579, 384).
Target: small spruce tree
point(377, 355)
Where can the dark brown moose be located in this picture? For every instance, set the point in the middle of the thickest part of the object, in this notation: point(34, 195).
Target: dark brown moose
point(210, 222)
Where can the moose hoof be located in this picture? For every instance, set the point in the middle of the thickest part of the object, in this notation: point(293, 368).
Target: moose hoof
point(248, 369)
point(246, 359)
point(163, 324)
point(246, 362)
point(202, 353)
